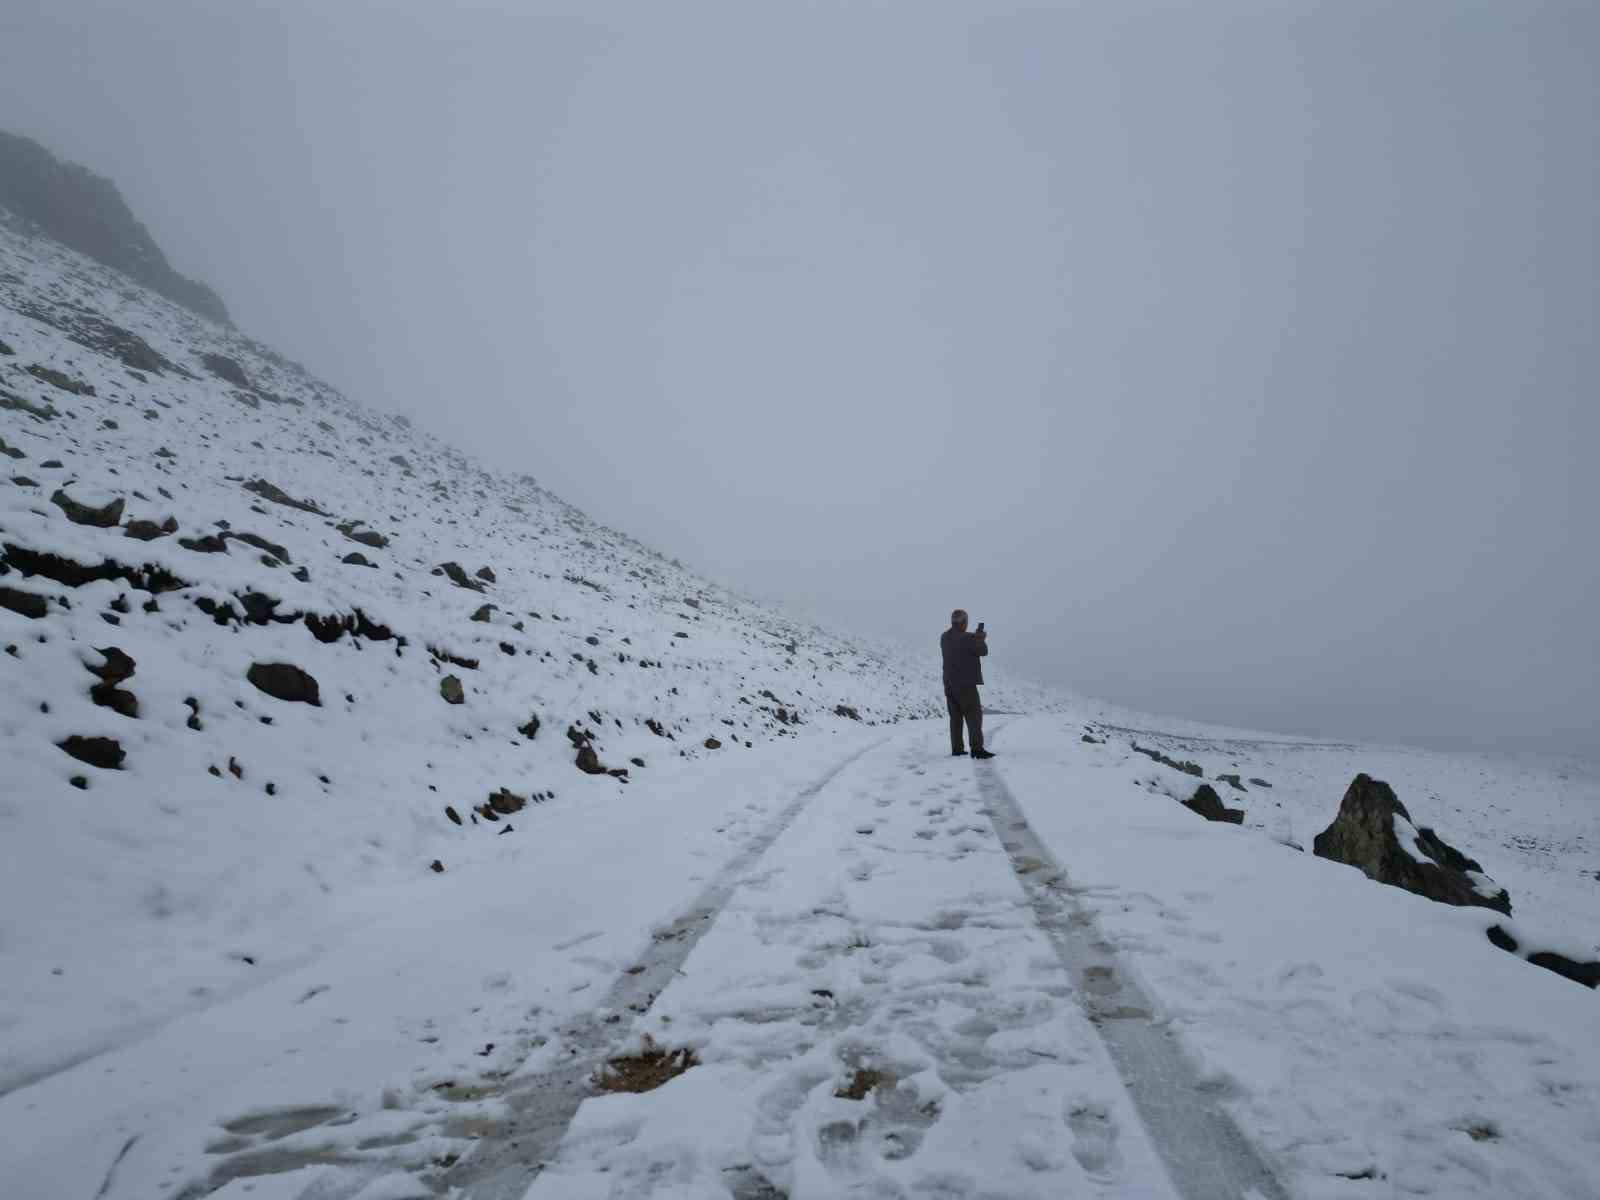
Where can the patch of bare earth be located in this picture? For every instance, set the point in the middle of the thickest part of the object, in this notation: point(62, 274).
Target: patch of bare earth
point(645, 1071)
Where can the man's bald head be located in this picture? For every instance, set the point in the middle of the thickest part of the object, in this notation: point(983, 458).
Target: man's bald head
point(958, 619)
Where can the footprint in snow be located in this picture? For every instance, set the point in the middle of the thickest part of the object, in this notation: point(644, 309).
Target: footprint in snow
point(1094, 1138)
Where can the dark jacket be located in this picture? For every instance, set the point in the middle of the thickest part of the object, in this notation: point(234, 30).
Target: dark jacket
point(961, 654)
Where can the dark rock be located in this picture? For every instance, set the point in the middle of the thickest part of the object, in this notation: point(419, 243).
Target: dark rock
point(1090, 741)
point(25, 604)
point(355, 559)
point(712, 743)
point(399, 460)
point(226, 368)
point(367, 537)
point(149, 531)
point(1188, 768)
point(450, 689)
point(486, 574)
point(117, 699)
point(455, 660)
point(211, 543)
point(588, 761)
point(277, 495)
point(80, 781)
point(1232, 781)
point(116, 668)
point(104, 517)
point(303, 575)
point(483, 612)
point(845, 710)
point(11, 451)
point(1260, 782)
point(458, 576)
point(1586, 973)
point(284, 681)
point(103, 752)
point(449, 811)
point(1208, 804)
point(148, 578)
point(505, 802)
point(260, 543)
point(58, 380)
point(6, 350)
point(637, 761)
point(1368, 833)
point(592, 640)
point(531, 729)
point(52, 464)
point(436, 867)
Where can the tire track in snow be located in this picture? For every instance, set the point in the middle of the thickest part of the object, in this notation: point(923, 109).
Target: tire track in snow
point(1205, 1153)
point(512, 1150)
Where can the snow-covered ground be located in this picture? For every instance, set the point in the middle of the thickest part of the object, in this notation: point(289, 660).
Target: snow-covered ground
point(228, 967)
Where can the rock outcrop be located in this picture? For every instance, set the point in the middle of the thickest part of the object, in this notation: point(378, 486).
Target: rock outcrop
point(1374, 831)
point(85, 211)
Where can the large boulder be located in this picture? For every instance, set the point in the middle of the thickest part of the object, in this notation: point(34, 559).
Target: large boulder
point(103, 752)
point(1209, 805)
point(1374, 831)
point(284, 681)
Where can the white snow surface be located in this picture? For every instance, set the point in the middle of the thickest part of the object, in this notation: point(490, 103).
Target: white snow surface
point(213, 986)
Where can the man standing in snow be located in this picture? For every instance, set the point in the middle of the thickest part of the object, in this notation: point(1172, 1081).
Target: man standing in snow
point(962, 675)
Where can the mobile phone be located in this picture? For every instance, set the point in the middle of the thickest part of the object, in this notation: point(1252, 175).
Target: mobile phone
point(980, 626)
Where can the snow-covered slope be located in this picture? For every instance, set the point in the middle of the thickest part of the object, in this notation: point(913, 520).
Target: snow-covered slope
point(236, 822)
point(381, 947)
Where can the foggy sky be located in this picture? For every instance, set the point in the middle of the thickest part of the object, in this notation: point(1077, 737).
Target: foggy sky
point(1234, 360)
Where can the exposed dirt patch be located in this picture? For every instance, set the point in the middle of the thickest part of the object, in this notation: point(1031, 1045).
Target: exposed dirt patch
point(645, 1071)
point(862, 1082)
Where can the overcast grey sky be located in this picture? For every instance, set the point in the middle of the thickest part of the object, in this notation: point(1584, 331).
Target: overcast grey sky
point(1235, 360)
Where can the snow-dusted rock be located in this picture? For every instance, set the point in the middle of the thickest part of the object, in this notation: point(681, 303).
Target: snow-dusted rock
point(285, 681)
point(1374, 831)
point(102, 515)
point(1209, 805)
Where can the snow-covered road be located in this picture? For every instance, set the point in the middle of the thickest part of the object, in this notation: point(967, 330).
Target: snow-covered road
point(877, 1011)
point(882, 983)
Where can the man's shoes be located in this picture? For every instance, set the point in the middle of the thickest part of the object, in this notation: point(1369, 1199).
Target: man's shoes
point(981, 754)
point(958, 753)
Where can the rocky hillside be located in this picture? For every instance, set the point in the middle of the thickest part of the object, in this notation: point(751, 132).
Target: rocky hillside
point(263, 648)
point(86, 212)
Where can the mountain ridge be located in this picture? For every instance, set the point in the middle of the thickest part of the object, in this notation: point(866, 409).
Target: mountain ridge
point(87, 212)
